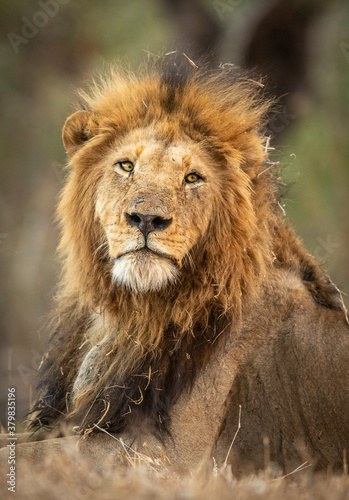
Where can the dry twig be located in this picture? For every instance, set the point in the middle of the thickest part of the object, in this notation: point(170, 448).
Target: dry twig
point(233, 441)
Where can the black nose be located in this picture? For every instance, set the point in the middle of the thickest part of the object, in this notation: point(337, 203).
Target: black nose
point(147, 223)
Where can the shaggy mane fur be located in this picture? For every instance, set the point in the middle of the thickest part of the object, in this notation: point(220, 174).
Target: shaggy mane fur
point(150, 346)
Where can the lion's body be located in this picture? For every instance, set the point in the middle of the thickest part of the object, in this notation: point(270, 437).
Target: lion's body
point(292, 385)
point(185, 294)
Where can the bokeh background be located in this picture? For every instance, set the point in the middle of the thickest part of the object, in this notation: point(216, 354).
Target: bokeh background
point(50, 47)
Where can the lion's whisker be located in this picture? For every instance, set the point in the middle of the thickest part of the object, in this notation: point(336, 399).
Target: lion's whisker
point(100, 247)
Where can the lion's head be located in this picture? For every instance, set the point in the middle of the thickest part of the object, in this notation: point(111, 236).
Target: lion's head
point(160, 197)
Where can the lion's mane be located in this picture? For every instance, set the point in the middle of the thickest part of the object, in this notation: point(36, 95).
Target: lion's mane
point(150, 346)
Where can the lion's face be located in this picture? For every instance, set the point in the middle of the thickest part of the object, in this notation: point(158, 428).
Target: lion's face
point(154, 203)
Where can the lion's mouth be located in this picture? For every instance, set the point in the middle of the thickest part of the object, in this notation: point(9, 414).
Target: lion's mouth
point(145, 253)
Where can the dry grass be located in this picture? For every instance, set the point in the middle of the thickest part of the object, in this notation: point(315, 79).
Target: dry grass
point(143, 477)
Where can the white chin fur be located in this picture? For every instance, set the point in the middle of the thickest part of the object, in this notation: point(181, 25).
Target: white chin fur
point(143, 272)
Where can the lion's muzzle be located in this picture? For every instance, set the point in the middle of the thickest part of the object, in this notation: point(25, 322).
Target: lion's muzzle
point(149, 267)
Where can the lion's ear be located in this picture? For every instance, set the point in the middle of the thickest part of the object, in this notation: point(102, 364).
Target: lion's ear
point(78, 128)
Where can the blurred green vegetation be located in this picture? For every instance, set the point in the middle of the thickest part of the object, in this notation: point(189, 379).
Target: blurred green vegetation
point(318, 203)
point(38, 77)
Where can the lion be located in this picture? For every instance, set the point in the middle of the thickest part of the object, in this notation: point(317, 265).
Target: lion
point(188, 307)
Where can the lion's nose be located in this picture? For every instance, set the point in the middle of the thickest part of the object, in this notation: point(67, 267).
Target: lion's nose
point(147, 223)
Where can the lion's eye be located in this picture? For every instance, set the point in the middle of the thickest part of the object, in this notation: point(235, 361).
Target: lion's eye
point(125, 165)
point(193, 177)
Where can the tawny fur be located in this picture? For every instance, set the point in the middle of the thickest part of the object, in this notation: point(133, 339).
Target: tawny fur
point(131, 330)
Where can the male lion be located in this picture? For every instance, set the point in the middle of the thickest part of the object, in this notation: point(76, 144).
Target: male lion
point(185, 294)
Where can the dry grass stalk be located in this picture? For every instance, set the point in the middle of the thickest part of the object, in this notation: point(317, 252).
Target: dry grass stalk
point(232, 443)
point(190, 61)
point(345, 463)
point(266, 445)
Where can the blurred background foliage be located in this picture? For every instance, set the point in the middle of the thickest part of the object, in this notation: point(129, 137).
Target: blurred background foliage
point(50, 47)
